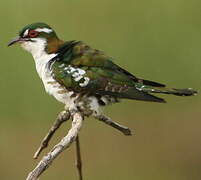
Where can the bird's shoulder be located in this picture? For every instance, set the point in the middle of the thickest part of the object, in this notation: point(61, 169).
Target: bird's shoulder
point(78, 53)
point(78, 64)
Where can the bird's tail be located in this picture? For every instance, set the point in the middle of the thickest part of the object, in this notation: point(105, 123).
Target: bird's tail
point(165, 90)
point(143, 92)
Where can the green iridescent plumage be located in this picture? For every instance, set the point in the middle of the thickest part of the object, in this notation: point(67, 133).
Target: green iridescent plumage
point(105, 77)
point(85, 70)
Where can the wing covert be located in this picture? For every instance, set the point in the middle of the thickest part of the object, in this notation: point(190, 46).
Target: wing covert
point(83, 69)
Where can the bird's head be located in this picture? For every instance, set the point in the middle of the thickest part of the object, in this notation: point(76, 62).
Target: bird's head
point(37, 38)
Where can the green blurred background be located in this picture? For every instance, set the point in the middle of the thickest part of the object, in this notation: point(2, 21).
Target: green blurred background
point(155, 39)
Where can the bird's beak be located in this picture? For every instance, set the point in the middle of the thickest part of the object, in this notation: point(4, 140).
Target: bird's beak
point(17, 39)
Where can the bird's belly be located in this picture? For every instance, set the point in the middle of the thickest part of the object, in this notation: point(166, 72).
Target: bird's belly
point(59, 92)
point(55, 89)
point(52, 87)
point(71, 99)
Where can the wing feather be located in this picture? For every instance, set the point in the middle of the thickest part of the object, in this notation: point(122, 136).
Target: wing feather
point(83, 69)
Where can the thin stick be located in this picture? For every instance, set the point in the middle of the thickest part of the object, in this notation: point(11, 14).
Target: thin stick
point(62, 117)
point(78, 158)
point(125, 130)
point(60, 147)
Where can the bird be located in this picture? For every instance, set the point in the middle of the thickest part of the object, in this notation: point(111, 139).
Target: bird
point(83, 78)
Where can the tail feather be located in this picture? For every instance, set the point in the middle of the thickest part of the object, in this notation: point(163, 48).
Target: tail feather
point(184, 92)
point(144, 93)
point(151, 83)
point(174, 91)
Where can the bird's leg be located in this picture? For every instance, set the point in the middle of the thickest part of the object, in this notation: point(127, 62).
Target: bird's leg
point(125, 130)
point(78, 158)
point(62, 117)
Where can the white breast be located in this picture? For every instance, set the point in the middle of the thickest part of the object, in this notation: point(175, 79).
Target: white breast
point(60, 93)
point(41, 58)
point(37, 48)
point(51, 86)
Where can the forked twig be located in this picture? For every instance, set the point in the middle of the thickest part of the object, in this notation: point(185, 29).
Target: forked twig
point(78, 158)
point(67, 140)
point(60, 147)
point(125, 130)
point(62, 117)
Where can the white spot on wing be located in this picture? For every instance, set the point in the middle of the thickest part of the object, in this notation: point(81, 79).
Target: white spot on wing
point(85, 83)
point(78, 78)
point(62, 65)
point(140, 88)
point(81, 71)
point(78, 74)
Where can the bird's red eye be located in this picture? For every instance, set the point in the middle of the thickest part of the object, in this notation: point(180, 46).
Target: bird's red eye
point(33, 33)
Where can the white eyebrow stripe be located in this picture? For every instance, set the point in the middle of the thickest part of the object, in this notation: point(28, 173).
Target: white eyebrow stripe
point(46, 30)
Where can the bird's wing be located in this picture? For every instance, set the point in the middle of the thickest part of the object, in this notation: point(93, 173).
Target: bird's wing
point(83, 69)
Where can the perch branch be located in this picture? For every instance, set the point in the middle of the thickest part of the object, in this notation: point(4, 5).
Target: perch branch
point(125, 130)
point(60, 147)
point(78, 159)
point(62, 117)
